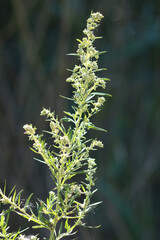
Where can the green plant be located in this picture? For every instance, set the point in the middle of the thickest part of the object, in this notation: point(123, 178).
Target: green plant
point(69, 155)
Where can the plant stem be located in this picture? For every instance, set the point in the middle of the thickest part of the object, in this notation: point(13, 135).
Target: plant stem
point(52, 237)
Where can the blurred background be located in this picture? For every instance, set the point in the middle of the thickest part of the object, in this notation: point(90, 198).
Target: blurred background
point(35, 36)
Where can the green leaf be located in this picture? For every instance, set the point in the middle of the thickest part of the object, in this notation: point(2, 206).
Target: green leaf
point(47, 132)
point(34, 150)
point(2, 220)
point(41, 161)
point(89, 97)
point(79, 40)
point(94, 191)
point(13, 197)
point(60, 228)
point(95, 204)
point(98, 37)
point(65, 119)
point(18, 198)
point(53, 212)
point(70, 70)
point(67, 227)
point(96, 128)
point(28, 200)
point(71, 99)
point(102, 52)
point(84, 190)
point(70, 133)
point(101, 69)
point(72, 54)
point(38, 226)
point(4, 189)
point(106, 79)
point(69, 114)
point(92, 226)
point(101, 94)
point(11, 191)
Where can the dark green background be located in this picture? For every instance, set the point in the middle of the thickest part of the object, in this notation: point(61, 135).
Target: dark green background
point(35, 36)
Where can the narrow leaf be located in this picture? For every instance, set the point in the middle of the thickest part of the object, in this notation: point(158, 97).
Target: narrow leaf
point(72, 54)
point(102, 52)
point(79, 40)
point(38, 226)
point(28, 200)
point(69, 114)
point(4, 189)
point(97, 128)
point(41, 161)
point(95, 204)
point(98, 37)
point(60, 228)
point(106, 79)
point(101, 69)
point(70, 70)
point(34, 150)
point(18, 197)
point(101, 94)
point(11, 191)
point(14, 195)
point(65, 119)
point(67, 97)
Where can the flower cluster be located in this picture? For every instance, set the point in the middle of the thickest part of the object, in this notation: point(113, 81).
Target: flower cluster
point(84, 79)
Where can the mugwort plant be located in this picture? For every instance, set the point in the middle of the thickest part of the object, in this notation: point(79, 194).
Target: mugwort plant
point(69, 201)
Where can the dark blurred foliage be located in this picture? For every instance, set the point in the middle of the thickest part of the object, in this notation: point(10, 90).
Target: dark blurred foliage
point(35, 36)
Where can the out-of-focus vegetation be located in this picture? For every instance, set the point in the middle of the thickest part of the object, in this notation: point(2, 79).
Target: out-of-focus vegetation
point(35, 37)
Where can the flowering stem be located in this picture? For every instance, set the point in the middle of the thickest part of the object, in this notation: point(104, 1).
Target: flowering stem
point(69, 201)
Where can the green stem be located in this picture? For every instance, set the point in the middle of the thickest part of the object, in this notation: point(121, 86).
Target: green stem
point(77, 127)
point(52, 237)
